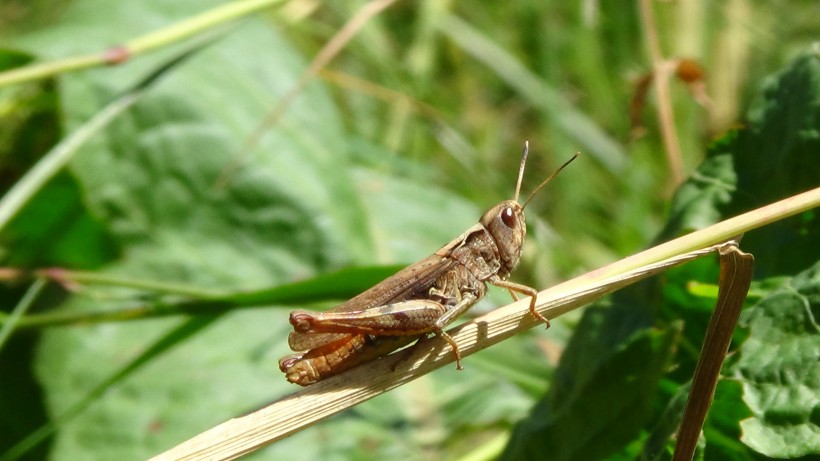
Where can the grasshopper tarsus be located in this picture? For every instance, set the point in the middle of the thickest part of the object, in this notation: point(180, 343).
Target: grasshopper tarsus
point(453, 347)
point(538, 316)
point(419, 300)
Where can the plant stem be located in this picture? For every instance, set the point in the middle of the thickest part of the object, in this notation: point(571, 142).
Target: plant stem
point(98, 278)
point(661, 70)
point(24, 189)
point(140, 45)
point(21, 308)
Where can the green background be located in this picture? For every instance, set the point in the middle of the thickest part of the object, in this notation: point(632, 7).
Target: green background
point(396, 148)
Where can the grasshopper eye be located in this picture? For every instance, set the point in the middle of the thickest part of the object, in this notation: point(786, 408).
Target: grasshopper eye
point(508, 217)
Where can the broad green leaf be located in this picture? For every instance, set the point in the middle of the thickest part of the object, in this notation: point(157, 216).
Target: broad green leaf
point(697, 202)
point(722, 428)
point(29, 125)
point(780, 367)
point(296, 206)
point(724, 185)
point(29, 120)
point(740, 174)
point(57, 209)
point(773, 156)
point(578, 419)
point(657, 446)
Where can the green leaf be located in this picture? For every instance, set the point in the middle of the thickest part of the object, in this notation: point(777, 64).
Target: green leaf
point(29, 124)
point(298, 205)
point(722, 428)
point(151, 181)
point(57, 209)
point(578, 419)
point(780, 158)
point(725, 184)
point(774, 156)
point(174, 336)
point(779, 365)
point(698, 201)
point(339, 285)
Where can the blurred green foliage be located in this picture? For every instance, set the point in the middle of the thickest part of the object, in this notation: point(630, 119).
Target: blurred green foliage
point(394, 150)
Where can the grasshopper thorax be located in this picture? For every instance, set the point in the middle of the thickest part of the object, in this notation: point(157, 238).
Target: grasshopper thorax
point(506, 224)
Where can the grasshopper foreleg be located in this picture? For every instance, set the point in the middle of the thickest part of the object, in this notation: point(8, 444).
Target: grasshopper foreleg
point(513, 288)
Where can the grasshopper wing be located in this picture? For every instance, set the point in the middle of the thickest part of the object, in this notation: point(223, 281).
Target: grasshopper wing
point(413, 281)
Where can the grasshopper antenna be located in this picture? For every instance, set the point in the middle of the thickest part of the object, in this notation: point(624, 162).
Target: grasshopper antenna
point(540, 186)
point(521, 169)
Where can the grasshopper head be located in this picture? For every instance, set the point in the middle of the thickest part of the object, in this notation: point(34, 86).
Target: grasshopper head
point(506, 224)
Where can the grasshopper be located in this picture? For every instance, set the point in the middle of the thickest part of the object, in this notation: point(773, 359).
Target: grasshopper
point(422, 298)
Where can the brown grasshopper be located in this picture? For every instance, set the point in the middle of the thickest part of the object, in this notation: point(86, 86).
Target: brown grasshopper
point(421, 299)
